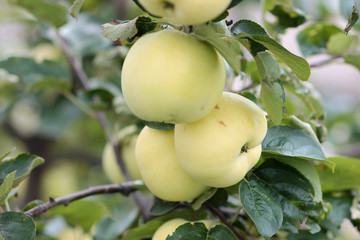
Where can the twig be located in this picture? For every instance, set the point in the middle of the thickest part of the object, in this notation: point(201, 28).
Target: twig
point(223, 219)
point(325, 61)
point(124, 188)
point(141, 202)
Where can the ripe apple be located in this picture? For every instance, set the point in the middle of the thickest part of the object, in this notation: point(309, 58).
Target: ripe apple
point(221, 148)
point(170, 76)
point(186, 12)
point(169, 227)
point(110, 165)
point(160, 169)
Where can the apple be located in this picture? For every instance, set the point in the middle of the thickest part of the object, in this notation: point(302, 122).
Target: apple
point(169, 227)
point(186, 12)
point(110, 165)
point(170, 76)
point(160, 169)
point(221, 148)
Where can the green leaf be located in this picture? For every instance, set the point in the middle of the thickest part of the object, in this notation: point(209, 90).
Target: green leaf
point(262, 208)
point(220, 197)
point(345, 176)
point(313, 39)
point(160, 125)
point(187, 231)
point(6, 187)
point(234, 3)
point(208, 34)
point(203, 198)
point(293, 192)
point(221, 232)
point(353, 18)
point(162, 207)
point(340, 43)
point(84, 213)
point(75, 8)
point(287, 17)
point(245, 29)
point(48, 11)
point(353, 59)
point(16, 226)
point(293, 142)
point(23, 164)
point(50, 82)
point(148, 229)
point(126, 31)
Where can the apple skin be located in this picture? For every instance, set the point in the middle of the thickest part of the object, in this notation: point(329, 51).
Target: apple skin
point(169, 227)
point(186, 12)
point(111, 167)
point(170, 76)
point(211, 150)
point(160, 169)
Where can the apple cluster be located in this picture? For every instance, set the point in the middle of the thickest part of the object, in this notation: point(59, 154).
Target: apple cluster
point(170, 76)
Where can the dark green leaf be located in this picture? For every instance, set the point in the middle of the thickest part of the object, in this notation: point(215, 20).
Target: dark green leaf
point(16, 226)
point(162, 207)
point(208, 34)
point(293, 142)
point(287, 17)
point(6, 187)
point(23, 164)
point(219, 198)
point(263, 209)
point(203, 198)
point(234, 3)
point(83, 213)
point(345, 176)
point(353, 18)
point(245, 29)
point(126, 31)
point(188, 231)
point(221, 232)
point(160, 125)
point(48, 11)
point(313, 39)
point(340, 207)
point(75, 8)
point(353, 59)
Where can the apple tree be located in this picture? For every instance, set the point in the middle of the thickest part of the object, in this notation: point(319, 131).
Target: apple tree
point(151, 119)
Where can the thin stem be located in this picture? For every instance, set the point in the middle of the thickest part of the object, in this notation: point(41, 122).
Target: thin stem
point(325, 61)
point(85, 108)
point(224, 220)
point(7, 205)
point(124, 188)
point(74, 63)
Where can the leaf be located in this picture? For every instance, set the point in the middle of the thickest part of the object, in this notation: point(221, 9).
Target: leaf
point(221, 232)
point(84, 213)
point(293, 192)
point(353, 59)
point(293, 142)
point(6, 187)
point(208, 34)
point(48, 11)
point(340, 43)
point(75, 8)
point(287, 17)
point(50, 82)
point(345, 176)
point(160, 125)
point(162, 207)
point(313, 39)
point(16, 226)
point(246, 29)
point(262, 208)
point(198, 231)
point(23, 164)
point(203, 198)
point(353, 18)
point(148, 229)
point(126, 31)
point(234, 3)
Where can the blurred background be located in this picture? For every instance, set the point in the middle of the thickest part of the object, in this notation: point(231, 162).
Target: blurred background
point(57, 126)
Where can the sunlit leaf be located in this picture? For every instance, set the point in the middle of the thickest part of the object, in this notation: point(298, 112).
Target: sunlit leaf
point(6, 187)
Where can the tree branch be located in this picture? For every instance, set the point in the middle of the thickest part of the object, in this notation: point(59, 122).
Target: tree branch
point(223, 219)
point(141, 202)
point(124, 188)
point(325, 61)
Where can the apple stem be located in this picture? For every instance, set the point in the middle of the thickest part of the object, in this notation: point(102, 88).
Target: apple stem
point(245, 148)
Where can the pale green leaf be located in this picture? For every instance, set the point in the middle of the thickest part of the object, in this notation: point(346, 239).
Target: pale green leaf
point(340, 43)
point(6, 187)
point(75, 8)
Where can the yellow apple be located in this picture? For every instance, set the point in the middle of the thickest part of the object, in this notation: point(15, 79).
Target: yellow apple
point(160, 169)
point(221, 148)
point(110, 165)
point(169, 227)
point(170, 76)
point(186, 12)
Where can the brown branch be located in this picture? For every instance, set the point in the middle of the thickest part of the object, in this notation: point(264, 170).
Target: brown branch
point(74, 63)
point(124, 188)
point(224, 220)
point(325, 61)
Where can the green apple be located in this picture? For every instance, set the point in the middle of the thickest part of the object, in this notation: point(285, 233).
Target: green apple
point(169, 227)
point(170, 76)
point(221, 148)
point(160, 169)
point(186, 12)
point(110, 165)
